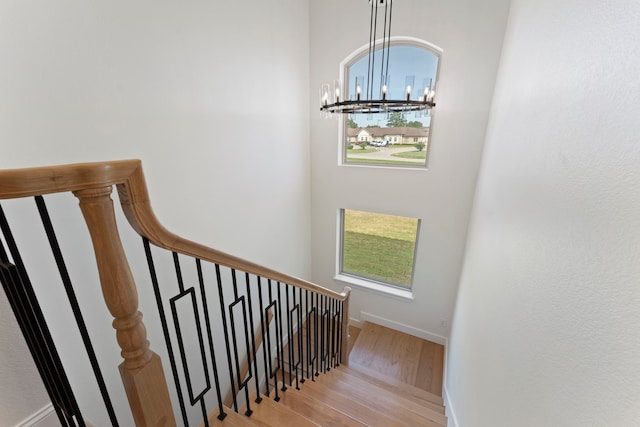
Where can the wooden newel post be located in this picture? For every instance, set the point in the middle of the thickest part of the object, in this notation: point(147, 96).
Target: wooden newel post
point(344, 350)
point(141, 370)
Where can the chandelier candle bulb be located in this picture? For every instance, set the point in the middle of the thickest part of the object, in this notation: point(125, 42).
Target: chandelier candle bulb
point(384, 101)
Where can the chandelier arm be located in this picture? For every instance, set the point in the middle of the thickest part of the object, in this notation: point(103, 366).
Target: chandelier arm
point(371, 45)
point(368, 104)
point(385, 48)
point(373, 57)
point(389, 38)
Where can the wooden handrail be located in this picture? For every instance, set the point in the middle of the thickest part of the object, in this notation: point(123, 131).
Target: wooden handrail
point(92, 184)
point(128, 176)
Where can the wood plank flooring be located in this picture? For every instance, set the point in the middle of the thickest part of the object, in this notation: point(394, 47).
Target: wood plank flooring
point(392, 380)
point(397, 355)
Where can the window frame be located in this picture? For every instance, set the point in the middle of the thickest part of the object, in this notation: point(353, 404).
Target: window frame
point(378, 286)
point(343, 138)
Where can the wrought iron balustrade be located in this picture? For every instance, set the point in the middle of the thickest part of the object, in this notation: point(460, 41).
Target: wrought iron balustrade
point(230, 327)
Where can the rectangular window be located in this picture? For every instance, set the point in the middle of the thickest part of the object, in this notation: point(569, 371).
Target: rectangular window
point(379, 248)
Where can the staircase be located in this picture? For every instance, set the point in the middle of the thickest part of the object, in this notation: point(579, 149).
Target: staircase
point(255, 312)
point(345, 396)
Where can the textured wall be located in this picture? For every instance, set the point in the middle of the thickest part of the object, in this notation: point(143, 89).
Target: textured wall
point(24, 393)
point(212, 96)
point(546, 328)
point(470, 34)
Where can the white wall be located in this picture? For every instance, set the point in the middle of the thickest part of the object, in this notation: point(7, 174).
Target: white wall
point(546, 328)
point(470, 33)
point(25, 393)
point(212, 96)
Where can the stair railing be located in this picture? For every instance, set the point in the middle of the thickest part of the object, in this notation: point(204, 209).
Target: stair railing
point(296, 304)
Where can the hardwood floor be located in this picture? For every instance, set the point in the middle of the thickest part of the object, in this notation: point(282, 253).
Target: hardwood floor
point(388, 383)
point(397, 355)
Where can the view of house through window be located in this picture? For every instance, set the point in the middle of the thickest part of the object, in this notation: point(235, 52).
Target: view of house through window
point(393, 138)
point(379, 247)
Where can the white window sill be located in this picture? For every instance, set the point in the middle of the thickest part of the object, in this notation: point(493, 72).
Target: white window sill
point(375, 287)
point(417, 167)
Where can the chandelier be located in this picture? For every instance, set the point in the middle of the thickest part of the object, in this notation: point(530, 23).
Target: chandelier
point(363, 101)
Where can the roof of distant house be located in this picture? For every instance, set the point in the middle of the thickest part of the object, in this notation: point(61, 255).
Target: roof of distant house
point(378, 132)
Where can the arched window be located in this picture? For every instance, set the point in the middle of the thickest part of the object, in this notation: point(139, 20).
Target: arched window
point(396, 139)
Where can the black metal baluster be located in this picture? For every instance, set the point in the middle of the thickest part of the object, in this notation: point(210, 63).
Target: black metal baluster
point(339, 317)
point(75, 306)
point(165, 329)
point(207, 321)
point(241, 382)
point(330, 329)
point(327, 335)
point(334, 334)
point(226, 337)
point(205, 415)
point(273, 373)
point(308, 334)
point(281, 343)
point(253, 342)
point(191, 294)
point(326, 331)
point(322, 334)
point(316, 328)
point(290, 336)
point(264, 327)
point(12, 284)
point(310, 340)
point(294, 364)
point(176, 264)
point(301, 328)
point(24, 302)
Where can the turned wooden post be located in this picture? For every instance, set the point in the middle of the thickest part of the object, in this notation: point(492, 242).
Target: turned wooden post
point(141, 370)
point(344, 350)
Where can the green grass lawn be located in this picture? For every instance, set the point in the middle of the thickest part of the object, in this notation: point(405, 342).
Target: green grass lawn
point(379, 247)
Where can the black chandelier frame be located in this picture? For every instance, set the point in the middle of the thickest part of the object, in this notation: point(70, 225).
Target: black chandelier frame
point(368, 105)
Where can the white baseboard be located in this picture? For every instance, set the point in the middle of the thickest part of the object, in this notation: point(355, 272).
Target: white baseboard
point(450, 413)
point(355, 322)
point(39, 416)
point(420, 333)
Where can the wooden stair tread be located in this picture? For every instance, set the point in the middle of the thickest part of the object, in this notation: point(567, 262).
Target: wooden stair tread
point(348, 406)
point(315, 410)
point(437, 407)
point(378, 397)
point(272, 413)
point(393, 353)
point(359, 376)
point(372, 396)
point(393, 384)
